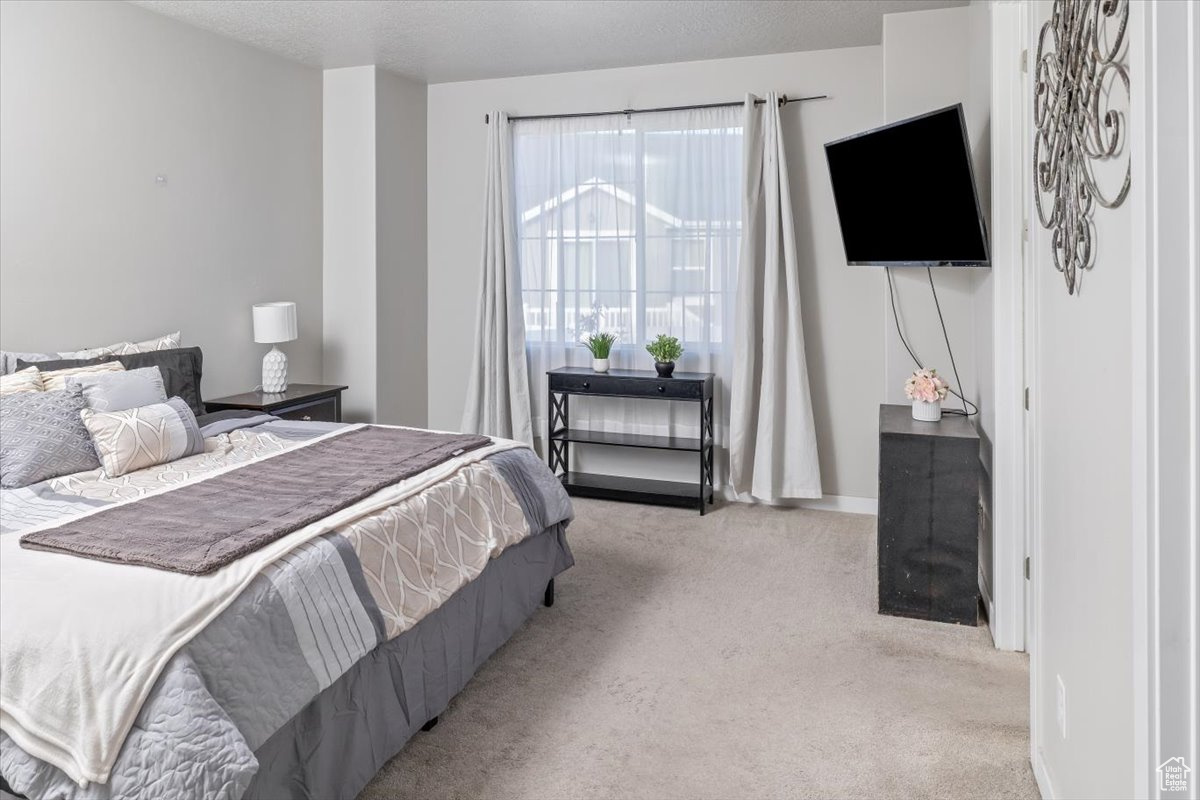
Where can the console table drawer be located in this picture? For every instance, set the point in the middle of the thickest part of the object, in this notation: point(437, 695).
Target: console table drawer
point(614, 385)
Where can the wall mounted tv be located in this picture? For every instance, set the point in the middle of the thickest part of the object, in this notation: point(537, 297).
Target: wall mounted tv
point(906, 196)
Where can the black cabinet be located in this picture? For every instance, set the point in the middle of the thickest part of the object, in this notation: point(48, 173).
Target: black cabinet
point(695, 387)
point(928, 517)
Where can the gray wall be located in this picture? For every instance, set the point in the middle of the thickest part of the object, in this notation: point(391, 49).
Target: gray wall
point(933, 59)
point(402, 351)
point(374, 251)
point(843, 323)
point(96, 99)
point(349, 247)
point(1085, 438)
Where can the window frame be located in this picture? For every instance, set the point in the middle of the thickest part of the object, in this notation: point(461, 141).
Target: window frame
point(553, 242)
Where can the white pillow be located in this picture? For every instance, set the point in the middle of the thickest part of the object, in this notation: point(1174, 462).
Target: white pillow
point(168, 341)
point(8, 360)
point(143, 437)
point(120, 391)
point(24, 380)
point(56, 380)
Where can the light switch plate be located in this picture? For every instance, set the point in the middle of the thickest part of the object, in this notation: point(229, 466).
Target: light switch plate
point(1060, 706)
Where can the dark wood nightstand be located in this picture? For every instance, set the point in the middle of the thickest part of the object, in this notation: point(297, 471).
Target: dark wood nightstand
point(302, 401)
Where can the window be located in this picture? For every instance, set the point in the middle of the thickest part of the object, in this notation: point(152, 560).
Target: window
point(629, 226)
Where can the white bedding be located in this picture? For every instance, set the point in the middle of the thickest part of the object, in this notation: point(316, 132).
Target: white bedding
point(116, 627)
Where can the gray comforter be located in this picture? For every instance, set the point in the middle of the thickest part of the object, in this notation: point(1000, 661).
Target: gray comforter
point(293, 632)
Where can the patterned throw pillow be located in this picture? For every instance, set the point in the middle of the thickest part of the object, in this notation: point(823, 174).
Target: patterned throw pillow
point(42, 437)
point(143, 437)
point(118, 391)
point(56, 380)
point(26, 380)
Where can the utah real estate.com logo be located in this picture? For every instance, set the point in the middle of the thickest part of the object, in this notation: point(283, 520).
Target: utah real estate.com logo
point(1173, 775)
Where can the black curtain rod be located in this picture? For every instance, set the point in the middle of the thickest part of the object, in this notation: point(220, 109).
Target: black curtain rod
point(783, 101)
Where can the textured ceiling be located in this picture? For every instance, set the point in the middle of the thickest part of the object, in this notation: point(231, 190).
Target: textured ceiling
point(453, 40)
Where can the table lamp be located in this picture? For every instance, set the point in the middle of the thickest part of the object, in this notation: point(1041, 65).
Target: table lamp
point(273, 323)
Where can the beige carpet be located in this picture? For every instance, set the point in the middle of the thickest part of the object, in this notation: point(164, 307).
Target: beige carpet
point(734, 655)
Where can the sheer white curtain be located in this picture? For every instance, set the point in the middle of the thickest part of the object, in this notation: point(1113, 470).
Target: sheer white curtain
point(630, 225)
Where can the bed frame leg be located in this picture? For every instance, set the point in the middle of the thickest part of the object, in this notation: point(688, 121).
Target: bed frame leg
point(548, 599)
point(428, 726)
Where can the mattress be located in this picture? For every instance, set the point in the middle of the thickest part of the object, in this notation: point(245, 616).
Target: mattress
point(297, 627)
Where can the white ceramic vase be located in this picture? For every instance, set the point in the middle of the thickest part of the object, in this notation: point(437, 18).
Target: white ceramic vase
point(599, 365)
point(274, 376)
point(927, 412)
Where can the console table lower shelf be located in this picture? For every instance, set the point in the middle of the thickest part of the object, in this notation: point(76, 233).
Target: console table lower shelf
point(633, 490)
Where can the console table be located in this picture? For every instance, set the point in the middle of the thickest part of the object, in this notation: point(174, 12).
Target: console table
point(928, 517)
point(693, 387)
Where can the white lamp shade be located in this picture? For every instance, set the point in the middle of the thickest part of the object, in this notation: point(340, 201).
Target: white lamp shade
point(274, 322)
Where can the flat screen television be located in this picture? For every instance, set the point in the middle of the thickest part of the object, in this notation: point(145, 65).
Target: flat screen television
point(905, 194)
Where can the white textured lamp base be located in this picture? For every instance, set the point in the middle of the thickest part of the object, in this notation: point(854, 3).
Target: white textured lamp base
point(274, 371)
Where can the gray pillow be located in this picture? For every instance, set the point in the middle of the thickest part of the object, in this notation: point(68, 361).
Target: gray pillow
point(42, 436)
point(120, 391)
point(9, 359)
point(181, 370)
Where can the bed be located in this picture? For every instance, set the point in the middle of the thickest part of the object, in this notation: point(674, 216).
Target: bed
point(314, 664)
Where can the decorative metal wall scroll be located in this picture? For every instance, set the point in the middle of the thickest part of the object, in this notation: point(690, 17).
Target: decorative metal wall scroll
point(1076, 73)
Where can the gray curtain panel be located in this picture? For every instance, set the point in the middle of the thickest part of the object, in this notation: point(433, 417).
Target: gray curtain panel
point(772, 438)
point(498, 391)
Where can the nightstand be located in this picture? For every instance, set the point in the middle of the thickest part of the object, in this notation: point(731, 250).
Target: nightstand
point(301, 401)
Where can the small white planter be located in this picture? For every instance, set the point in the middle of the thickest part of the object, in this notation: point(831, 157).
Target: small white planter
point(599, 365)
point(927, 412)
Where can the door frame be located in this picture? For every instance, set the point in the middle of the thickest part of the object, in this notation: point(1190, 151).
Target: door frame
point(1165, 557)
point(1015, 455)
point(1010, 165)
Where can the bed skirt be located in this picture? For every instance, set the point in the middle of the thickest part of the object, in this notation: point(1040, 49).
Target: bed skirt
point(339, 741)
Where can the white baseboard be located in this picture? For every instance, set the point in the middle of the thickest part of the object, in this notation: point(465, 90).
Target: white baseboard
point(985, 592)
point(1042, 776)
point(844, 503)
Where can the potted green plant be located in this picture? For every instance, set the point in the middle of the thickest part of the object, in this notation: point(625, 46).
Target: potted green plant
point(665, 350)
point(601, 345)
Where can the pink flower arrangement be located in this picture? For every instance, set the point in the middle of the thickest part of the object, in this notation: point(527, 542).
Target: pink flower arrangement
point(926, 385)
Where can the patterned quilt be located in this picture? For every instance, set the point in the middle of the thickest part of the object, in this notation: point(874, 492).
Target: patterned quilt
point(301, 623)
